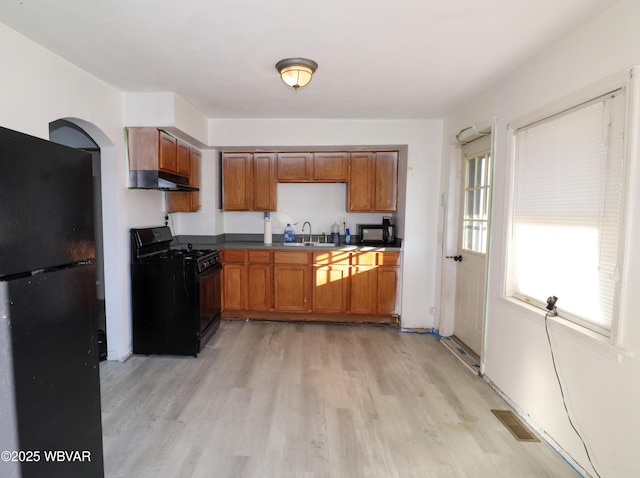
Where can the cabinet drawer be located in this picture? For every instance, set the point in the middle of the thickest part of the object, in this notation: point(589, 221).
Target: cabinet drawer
point(233, 255)
point(388, 258)
point(363, 258)
point(331, 257)
point(291, 257)
point(259, 257)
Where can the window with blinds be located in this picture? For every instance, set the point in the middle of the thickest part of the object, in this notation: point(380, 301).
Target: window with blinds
point(569, 184)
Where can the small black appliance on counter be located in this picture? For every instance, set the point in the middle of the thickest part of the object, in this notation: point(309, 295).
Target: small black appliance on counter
point(377, 234)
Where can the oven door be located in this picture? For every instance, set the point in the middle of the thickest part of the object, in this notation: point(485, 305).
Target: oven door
point(209, 282)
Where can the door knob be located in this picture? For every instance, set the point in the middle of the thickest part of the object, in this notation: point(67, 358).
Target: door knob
point(457, 258)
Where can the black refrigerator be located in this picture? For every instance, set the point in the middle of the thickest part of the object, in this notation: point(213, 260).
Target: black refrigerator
point(50, 423)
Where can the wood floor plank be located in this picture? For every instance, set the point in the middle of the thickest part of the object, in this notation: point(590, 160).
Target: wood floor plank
point(270, 399)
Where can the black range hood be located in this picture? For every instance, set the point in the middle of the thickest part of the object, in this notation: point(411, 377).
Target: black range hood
point(150, 179)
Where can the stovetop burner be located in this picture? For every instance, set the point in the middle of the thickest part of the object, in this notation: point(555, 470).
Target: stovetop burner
point(154, 245)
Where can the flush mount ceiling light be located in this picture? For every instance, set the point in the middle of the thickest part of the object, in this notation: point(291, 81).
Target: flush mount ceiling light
point(296, 72)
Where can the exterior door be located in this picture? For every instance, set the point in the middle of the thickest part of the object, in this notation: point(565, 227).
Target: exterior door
point(472, 246)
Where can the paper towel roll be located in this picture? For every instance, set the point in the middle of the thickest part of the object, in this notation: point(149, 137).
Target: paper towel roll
point(267, 231)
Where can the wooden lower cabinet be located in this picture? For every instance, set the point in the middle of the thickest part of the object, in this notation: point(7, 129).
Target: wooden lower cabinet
point(330, 288)
point(291, 281)
point(290, 288)
point(259, 280)
point(331, 285)
point(363, 289)
point(386, 286)
point(234, 285)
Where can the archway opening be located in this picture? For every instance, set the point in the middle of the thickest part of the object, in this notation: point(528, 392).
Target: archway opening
point(70, 132)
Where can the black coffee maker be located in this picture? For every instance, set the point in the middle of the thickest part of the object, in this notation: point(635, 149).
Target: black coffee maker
point(389, 230)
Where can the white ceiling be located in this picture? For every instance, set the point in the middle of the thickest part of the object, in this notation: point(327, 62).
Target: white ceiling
point(391, 59)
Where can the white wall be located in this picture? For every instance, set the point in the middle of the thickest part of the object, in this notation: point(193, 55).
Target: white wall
point(38, 87)
point(423, 140)
point(601, 381)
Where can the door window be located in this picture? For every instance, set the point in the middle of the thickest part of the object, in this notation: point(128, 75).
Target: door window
point(475, 215)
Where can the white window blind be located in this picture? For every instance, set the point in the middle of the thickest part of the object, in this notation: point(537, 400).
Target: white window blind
point(567, 210)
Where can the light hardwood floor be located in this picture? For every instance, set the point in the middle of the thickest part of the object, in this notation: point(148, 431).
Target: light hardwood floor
point(268, 399)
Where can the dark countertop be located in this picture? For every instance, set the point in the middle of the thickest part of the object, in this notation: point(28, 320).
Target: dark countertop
point(254, 241)
point(280, 247)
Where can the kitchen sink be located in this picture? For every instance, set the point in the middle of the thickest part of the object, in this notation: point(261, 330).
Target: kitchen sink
point(308, 244)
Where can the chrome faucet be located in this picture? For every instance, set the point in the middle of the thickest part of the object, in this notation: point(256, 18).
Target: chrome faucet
point(302, 230)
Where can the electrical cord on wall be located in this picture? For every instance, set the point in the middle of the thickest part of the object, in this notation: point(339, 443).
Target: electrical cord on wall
point(552, 313)
point(169, 217)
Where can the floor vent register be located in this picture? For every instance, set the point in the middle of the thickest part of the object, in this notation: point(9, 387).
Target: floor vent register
point(514, 425)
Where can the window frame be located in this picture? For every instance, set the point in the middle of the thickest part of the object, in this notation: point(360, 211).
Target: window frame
point(486, 189)
point(627, 80)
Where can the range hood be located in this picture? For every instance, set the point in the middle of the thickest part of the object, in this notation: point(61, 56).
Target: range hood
point(150, 179)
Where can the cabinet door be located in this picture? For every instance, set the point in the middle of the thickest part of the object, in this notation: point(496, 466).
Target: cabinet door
point(259, 288)
point(294, 167)
point(387, 284)
point(291, 288)
point(363, 289)
point(183, 160)
point(234, 287)
point(183, 201)
point(195, 157)
point(359, 195)
point(330, 288)
point(237, 181)
point(167, 152)
point(331, 167)
point(264, 181)
point(385, 192)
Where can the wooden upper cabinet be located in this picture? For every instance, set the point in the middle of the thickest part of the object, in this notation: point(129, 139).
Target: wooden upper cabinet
point(168, 159)
point(295, 167)
point(237, 181)
point(184, 201)
point(385, 192)
point(332, 167)
point(195, 158)
point(373, 182)
point(264, 181)
point(249, 181)
point(359, 191)
point(154, 155)
point(151, 149)
point(183, 158)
